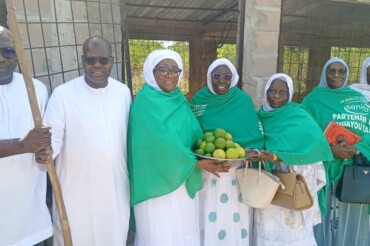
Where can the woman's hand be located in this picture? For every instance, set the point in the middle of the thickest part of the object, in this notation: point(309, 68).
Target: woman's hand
point(343, 151)
point(264, 155)
point(214, 166)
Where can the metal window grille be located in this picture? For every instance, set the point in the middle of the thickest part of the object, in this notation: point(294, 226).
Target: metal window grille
point(312, 31)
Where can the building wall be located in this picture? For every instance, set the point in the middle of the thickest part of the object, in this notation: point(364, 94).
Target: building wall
point(261, 43)
point(53, 32)
point(2, 13)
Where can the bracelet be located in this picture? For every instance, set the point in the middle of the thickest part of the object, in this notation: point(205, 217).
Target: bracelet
point(275, 157)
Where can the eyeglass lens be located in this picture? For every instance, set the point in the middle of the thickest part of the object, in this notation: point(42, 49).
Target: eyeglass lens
point(333, 71)
point(166, 71)
point(93, 60)
point(218, 76)
point(7, 53)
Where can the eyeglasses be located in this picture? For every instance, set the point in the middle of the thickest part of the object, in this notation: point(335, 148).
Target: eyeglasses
point(333, 71)
point(164, 71)
point(218, 76)
point(8, 53)
point(280, 93)
point(90, 60)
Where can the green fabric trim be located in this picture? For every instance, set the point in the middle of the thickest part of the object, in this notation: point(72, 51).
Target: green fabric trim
point(233, 112)
point(293, 135)
point(162, 129)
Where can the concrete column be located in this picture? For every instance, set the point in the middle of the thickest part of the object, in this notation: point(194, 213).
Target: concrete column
point(2, 13)
point(316, 61)
point(201, 55)
point(261, 42)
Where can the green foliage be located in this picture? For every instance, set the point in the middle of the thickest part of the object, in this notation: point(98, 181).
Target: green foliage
point(354, 57)
point(296, 64)
point(139, 49)
point(227, 51)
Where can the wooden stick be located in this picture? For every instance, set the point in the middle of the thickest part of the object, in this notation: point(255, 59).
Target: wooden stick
point(38, 121)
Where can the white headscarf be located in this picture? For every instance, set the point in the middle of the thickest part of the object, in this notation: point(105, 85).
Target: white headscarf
point(220, 62)
point(363, 87)
point(153, 59)
point(284, 77)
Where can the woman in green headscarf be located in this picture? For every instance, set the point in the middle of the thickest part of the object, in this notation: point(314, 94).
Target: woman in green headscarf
point(293, 138)
point(343, 223)
point(164, 173)
point(224, 218)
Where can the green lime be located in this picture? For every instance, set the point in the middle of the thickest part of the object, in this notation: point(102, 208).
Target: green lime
point(228, 136)
point(219, 153)
point(220, 143)
point(210, 139)
point(210, 147)
point(232, 153)
point(202, 145)
point(219, 133)
point(241, 152)
point(199, 152)
point(198, 143)
point(207, 134)
point(230, 144)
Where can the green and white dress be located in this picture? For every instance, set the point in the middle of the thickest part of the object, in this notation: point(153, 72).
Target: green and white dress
point(164, 179)
point(224, 219)
point(293, 135)
point(343, 223)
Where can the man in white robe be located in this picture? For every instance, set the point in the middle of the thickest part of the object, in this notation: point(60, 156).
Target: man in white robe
point(24, 216)
point(89, 117)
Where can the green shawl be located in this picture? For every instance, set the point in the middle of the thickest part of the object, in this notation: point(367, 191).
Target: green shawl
point(293, 135)
point(161, 132)
point(233, 112)
point(348, 108)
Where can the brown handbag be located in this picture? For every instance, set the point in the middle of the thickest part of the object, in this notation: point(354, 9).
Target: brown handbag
point(296, 195)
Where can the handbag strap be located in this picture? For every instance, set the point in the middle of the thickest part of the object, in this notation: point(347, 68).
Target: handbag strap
point(249, 163)
point(360, 160)
point(260, 163)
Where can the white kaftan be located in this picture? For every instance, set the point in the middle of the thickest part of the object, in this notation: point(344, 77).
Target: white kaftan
point(24, 217)
point(168, 220)
point(278, 226)
point(89, 128)
point(224, 219)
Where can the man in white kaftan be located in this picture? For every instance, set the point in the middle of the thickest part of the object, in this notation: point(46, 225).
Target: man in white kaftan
point(89, 117)
point(24, 216)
